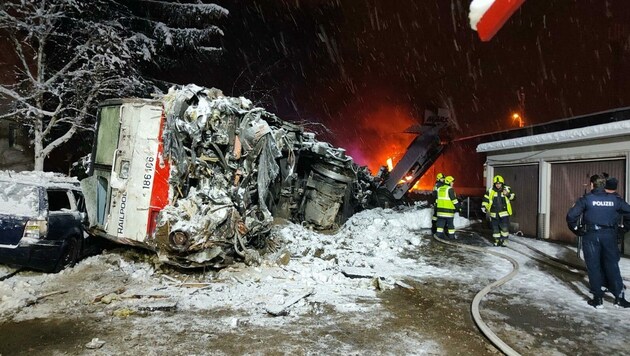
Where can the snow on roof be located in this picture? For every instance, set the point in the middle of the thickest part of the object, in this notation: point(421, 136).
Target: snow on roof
point(619, 128)
point(45, 179)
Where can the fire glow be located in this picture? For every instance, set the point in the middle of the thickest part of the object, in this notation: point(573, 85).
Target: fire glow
point(377, 138)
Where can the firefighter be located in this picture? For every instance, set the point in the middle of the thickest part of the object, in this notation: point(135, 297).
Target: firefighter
point(439, 181)
point(447, 204)
point(600, 214)
point(497, 202)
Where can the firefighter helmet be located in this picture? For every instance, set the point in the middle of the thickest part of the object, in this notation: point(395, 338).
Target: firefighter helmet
point(498, 179)
point(449, 180)
point(439, 176)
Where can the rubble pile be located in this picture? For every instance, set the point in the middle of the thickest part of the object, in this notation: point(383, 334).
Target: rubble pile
point(234, 167)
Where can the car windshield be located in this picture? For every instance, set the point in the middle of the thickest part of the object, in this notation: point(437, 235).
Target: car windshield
point(18, 199)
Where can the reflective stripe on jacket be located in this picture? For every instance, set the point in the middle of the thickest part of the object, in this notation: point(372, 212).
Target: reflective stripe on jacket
point(446, 202)
point(498, 204)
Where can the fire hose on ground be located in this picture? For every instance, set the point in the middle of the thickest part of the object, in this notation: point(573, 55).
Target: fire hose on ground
point(496, 341)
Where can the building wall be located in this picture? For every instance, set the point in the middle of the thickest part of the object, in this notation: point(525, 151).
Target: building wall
point(523, 180)
point(563, 171)
point(569, 181)
point(15, 151)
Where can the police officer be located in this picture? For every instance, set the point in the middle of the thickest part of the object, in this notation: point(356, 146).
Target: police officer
point(611, 188)
point(600, 213)
point(497, 201)
point(611, 185)
point(439, 181)
point(447, 205)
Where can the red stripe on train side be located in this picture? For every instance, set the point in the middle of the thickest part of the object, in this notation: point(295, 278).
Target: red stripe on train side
point(161, 174)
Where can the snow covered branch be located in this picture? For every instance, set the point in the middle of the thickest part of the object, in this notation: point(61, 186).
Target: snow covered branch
point(179, 12)
point(180, 38)
point(24, 101)
point(66, 63)
point(57, 142)
point(71, 54)
point(163, 32)
point(20, 55)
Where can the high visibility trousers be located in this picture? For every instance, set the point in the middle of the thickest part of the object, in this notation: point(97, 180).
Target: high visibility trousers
point(501, 227)
point(445, 226)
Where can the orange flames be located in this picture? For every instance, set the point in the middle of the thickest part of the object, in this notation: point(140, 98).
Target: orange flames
point(377, 137)
point(390, 164)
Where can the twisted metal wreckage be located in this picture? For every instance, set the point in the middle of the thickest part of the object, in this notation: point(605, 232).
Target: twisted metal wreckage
point(199, 177)
point(226, 169)
point(234, 167)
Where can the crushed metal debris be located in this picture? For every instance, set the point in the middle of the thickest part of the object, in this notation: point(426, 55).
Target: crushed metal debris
point(232, 168)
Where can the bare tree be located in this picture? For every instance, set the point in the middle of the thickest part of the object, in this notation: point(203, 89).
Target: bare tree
point(65, 65)
point(74, 53)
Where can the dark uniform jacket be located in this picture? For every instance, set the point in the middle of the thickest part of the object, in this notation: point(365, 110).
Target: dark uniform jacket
point(598, 210)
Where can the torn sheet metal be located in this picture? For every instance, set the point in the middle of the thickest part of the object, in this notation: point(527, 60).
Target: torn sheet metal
point(232, 168)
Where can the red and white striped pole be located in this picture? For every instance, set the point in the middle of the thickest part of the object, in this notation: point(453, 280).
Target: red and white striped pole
point(487, 16)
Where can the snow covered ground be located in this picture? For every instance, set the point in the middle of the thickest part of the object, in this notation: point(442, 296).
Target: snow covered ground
point(332, 293)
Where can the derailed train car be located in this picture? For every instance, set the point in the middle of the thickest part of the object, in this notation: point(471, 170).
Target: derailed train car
point(198, 177)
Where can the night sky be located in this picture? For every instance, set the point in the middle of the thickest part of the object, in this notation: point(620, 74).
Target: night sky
point(368, 69)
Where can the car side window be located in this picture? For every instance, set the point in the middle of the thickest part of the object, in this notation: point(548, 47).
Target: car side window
point(80, 200)
point(58, 200)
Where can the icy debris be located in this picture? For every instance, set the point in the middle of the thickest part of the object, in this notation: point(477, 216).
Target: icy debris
point(358, 272)
point(281, 310)
point(40, 178)
point(158, 305)
point(234, 167)
point(95, 343)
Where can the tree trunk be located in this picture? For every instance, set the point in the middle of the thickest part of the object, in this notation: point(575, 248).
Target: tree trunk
point(38, 144)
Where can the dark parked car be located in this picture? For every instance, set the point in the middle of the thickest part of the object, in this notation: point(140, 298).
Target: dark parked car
point(42, 218)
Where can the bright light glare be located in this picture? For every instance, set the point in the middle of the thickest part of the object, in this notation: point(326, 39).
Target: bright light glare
point(516, 117)
point(390, 164)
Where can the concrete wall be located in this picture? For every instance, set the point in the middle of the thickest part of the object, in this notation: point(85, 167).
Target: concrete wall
point(15, 155)
point(582, 159)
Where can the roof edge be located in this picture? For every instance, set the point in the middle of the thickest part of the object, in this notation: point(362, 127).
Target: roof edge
point(612, 129)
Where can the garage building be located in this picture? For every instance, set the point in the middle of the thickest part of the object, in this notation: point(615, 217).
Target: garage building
point(550, 169)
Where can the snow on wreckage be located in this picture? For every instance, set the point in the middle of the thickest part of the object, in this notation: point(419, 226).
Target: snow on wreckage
point(199, 177)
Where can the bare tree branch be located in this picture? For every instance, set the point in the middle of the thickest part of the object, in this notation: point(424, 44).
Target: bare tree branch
point(59, 141)
point(10, 114)
point(75, 59)
point(16, 96)
point(53, 119)
point(20, 54)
